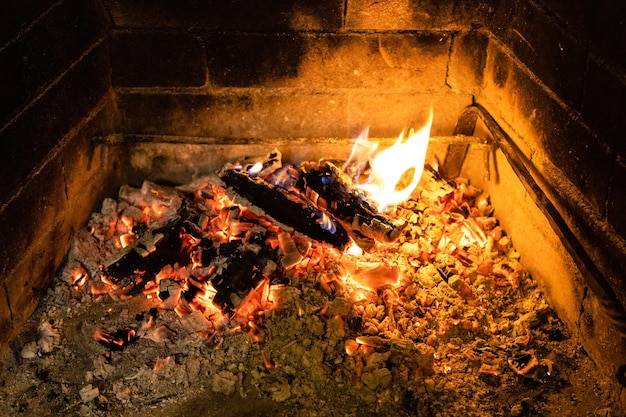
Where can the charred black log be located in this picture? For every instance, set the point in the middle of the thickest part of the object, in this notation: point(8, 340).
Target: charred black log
point(235, 280)
point(284, 206)
point(330, 190)
point(240, 266)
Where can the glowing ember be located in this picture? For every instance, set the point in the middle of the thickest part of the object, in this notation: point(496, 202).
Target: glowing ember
point(372, 275)
point(127, 239)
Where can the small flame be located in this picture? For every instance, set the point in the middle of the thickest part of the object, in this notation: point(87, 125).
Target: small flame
point(392, 168)
point(255, 169)
point(326, 222)
point(127, 239)
point(354, 249)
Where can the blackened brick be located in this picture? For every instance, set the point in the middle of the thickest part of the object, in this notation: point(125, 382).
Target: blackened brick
point(249, 60)
point(544, 46)
point(384, 61)
point(140, 59)
point(63, 193)
point(468, 60)
point(248, 15)
point(607, 31)
point(415, 14)
point(184, 114)
point(617, 199)
point(31, 215)
point(47, 49)
point(575, 150)
point(550, 130)
point(604, 102)
point(28, 140)
point(53, 205)
point(18, 14)
point(244, 114)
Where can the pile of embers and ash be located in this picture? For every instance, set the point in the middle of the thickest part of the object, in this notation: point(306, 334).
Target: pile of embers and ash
point(193, 301)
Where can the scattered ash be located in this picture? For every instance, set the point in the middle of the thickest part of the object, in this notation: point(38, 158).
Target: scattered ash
point(443, 322)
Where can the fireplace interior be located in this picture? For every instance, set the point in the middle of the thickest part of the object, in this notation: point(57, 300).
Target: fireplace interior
point(527, 99)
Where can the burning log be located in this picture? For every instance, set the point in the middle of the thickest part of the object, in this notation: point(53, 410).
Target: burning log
point(283, 205)
point(333, 192)
point(329, 205)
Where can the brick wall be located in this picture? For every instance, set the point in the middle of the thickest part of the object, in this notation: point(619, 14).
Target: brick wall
point(274, 70)
point(56, 94)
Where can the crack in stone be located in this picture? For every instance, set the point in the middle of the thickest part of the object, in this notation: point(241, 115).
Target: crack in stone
point(8, 301)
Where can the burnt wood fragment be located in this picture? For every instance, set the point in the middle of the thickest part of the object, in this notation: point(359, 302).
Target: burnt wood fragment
point(240, 274)
point(239, 268)
point(130, 269)
point(116, 340)
point(283, 205)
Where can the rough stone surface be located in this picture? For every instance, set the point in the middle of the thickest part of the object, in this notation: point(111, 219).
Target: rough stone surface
point(52, 206)
point(548, 132)
point(415, 14)
point(604, 101)
point(140, 59)
point(617, 199)
point(228, 15)
point(29, 139)
point(468, 61)
point(381, 61)
point(547, 49)
point(44, 51)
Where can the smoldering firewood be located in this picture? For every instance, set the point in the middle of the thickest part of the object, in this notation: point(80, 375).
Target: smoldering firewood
point(334, 193)
point(284, 206)
point(130, 269)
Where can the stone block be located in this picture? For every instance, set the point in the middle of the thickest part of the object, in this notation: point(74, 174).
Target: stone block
point(616, 206)
point(388, 114)
point(47, 49)
point(240, 114)
point(249, 15)
point(551, 137)
point(383, 61)
point(415, 14)
point(604, 102)
point(467, 61)
point(31, 136)
point(18, 14)
point(542, 44)
point(602, 341)
point(42, 220)
point(140, 59)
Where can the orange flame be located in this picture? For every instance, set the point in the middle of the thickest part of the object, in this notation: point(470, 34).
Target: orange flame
point(391, 166)
point(127, 239)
